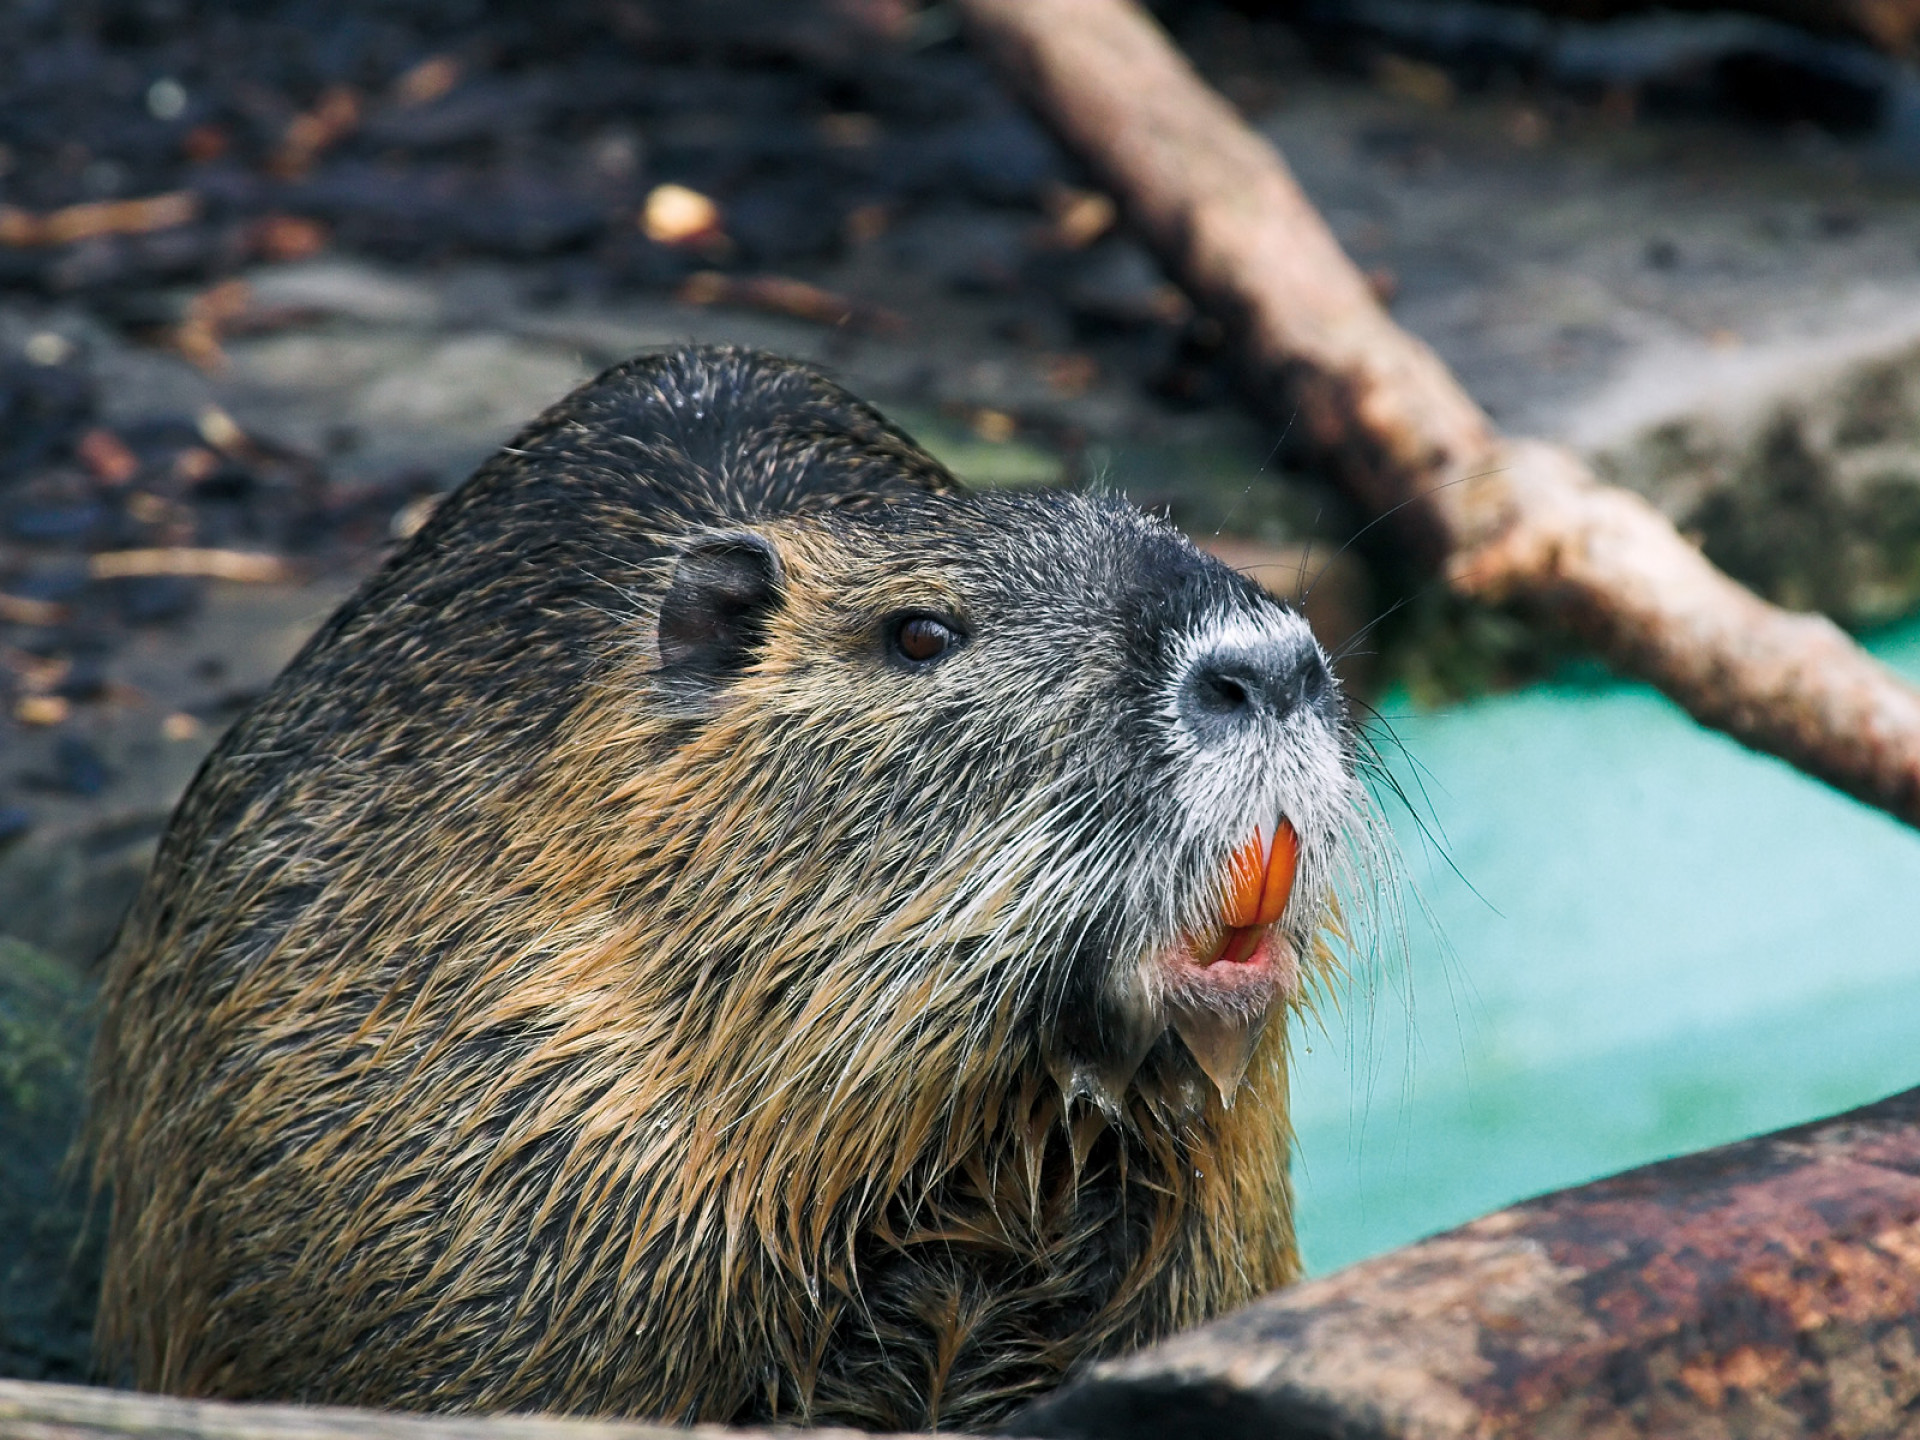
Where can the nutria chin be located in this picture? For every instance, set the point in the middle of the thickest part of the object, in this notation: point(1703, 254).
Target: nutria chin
point(727, 924)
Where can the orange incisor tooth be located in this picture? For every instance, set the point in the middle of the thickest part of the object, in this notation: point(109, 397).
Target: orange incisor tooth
point(1260, 878)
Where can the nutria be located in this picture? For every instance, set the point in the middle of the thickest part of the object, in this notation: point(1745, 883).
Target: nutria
point(727, 924)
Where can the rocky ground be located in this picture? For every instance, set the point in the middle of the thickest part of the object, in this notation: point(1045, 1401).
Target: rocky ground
point(268, 285)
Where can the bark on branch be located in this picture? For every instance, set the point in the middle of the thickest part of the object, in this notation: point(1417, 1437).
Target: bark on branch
point(1766, 1288)
point(1504, 521)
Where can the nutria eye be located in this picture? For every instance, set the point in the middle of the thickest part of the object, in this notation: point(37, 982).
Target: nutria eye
point(921, 639)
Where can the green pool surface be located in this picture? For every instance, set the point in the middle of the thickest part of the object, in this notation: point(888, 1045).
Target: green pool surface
point(1656, 941)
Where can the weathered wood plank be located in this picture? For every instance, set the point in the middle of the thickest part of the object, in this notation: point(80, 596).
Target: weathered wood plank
point(34, 1411)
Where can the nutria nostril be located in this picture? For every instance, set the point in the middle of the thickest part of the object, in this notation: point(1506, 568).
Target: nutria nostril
point(1223, 692)
point(1240, 682)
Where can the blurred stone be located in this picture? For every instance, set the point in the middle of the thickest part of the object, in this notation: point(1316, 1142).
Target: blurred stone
point(1809, 491)
point(1079, 217)
point(42, 709)
point(677, 215)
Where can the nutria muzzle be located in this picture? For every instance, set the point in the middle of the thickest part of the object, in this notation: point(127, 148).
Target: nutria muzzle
point(1255, 736)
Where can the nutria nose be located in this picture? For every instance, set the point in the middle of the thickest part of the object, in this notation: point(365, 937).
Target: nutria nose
point(1239, 683)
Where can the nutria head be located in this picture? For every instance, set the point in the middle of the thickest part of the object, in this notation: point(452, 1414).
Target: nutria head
point(728, 924)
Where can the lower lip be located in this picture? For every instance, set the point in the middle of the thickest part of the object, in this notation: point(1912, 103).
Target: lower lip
point(1242, 959)
point(1245, 965)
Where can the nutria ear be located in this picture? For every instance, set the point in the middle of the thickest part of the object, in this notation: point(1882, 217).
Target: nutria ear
point(716, 606)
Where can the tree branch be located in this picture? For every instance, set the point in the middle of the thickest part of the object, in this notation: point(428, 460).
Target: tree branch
point(1770, 1287)
point(1504, 521)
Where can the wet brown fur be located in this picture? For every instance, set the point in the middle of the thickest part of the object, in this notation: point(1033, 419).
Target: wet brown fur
point(422, 1081)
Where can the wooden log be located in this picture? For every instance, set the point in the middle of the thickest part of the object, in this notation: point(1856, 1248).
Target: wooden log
point(1767, 1288)
point(33, 1411)
point(1504, 521)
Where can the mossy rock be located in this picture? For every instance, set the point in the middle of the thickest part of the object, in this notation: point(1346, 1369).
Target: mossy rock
point(49, 1241)
point(1811, 499)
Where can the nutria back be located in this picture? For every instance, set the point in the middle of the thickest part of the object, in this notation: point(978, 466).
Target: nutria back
point(726, 925)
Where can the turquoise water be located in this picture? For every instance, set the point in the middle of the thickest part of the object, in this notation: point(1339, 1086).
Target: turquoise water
point(1656, 941)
